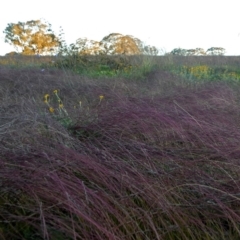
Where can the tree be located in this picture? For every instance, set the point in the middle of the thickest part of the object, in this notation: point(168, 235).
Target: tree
point(13, 53)
point(85, 46)
point(200, 52)
point(113, 44)
point(216, 51)
point(195, 52)
point(116, 43)
point(179, 51)
point(187, 52)
point(31, 37)
point(150, 50)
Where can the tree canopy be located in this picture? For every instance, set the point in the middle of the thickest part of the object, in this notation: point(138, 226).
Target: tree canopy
point(197, 51)
point(31, 37)
point(113, 44)
point(216, 51)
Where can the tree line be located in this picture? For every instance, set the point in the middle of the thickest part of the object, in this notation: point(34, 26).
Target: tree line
point(36, 37)
point(197, 51)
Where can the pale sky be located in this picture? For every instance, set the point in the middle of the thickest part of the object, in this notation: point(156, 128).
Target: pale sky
point(166, 24)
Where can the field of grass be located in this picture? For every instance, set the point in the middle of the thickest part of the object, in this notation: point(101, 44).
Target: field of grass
point(120, 148)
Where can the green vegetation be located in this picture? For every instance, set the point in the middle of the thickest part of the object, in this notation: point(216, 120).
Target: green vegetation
point(119, 147)
point(204, 72)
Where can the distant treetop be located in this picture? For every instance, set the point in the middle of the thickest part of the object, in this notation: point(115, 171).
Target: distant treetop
point(36, 37)
point(31, 37)
point(197, 51)
point(113, 44)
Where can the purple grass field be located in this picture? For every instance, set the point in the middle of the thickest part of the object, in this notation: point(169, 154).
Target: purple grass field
point(154, 159)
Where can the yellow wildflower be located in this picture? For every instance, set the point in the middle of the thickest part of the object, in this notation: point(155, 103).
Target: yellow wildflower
point(51, 109)
point(60, 105)
point(101, 97)
point(55, 91)
point(46, 98)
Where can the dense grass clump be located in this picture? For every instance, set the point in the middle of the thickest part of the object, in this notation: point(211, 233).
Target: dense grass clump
point(155, 157)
